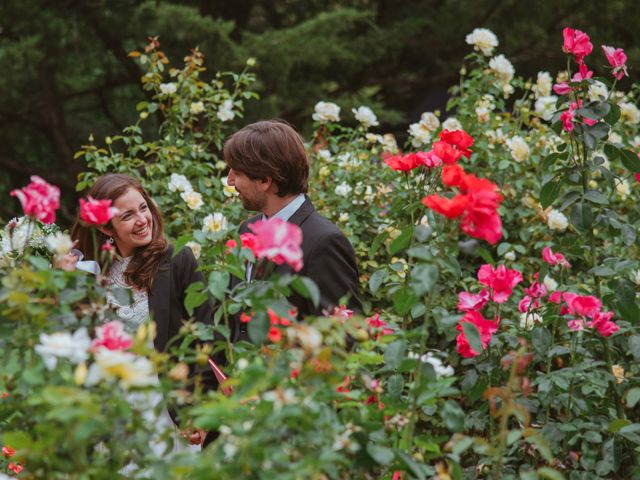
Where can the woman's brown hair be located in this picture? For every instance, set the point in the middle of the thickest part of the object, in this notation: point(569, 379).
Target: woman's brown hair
point(146, 260)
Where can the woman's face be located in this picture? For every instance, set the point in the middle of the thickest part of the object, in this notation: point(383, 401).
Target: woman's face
point(133, 226)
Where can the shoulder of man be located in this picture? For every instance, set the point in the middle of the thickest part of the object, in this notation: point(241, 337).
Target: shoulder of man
point(244, 226)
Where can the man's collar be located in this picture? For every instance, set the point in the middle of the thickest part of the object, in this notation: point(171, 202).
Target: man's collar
point(288, 210)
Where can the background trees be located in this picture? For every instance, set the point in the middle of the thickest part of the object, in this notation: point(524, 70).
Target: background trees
point(66, 73)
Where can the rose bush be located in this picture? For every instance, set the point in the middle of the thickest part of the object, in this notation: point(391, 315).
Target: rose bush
point(499, 275)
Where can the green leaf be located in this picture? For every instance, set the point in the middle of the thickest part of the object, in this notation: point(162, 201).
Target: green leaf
point(379, 240)
point(630, 160)
point(628, 234)
point(473, 336)
point(596, 197)
point(377, 279)
point(550, 474)
point(453, 416)
point(625, 292)
point(402, 242)
point(382, 455)
point(195, 297)
point(581, 216)
point(617, 424)
point(218, 283)
point(614, 114)
point(549, 193)
point(423, 278)
point(541, 340)
point(395, 385)
point(634, 347)
point(307, 288)
point(394, 353)
point(404, 300)
point(258, 328)
point(632, 397)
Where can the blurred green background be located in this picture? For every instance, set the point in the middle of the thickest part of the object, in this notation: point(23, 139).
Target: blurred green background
point(66, 73)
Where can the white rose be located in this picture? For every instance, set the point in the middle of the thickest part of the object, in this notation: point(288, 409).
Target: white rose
point(325, 155)
point(483, 40)
point(510, 255)
point(344, 217)
point(482, 113)
point(326, 112)
point(365, 116)
point(542, 88)
point(225, 112)
point(629, 113)
point(439, 367)
point(193, 199)
point(228, 190)
point(179, 183)
point(518, 148)
point(503, 69)
point(196, 108)
point(546, 106)
point(636, 278)
point(430, 121)
point(132, 370)
point(636, 142)
point(529, 320)
point(389, 143)
point(623, 189)
point(550, 283)
point(168, 88)
point(598, 91)
point(63, 345)
point(420, 134)
point(59, 243)
point(196, 248)
point(214, 223)
point(344, 189)
point(557, 221)
point(614, 138)
point(451, 124)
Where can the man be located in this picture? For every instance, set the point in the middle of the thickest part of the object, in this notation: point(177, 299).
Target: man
point(269, 168)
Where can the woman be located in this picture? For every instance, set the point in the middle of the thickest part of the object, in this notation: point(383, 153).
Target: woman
point(144, 263)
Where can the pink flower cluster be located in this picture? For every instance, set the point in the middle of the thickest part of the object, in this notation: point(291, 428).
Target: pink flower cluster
point(39, 199)
point(579, 45)
point(586, 310)
point(501, 282)
point(278, 241)
point(569, 117)
point(554, 258)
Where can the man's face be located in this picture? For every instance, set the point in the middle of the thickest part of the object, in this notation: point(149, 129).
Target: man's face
point(253, 197)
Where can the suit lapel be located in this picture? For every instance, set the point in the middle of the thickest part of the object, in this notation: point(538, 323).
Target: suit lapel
point(302, 213)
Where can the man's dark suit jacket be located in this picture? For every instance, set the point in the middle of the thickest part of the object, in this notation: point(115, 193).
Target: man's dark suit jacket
point(166, 306)
point(328, 259)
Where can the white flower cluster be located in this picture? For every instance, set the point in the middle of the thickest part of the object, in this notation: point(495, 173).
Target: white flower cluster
point(452, 124)
point(344, 189)
point(529, 319)
point(439, 367)
point(629, 113)
point(20, 233)
point(543, 85)
point(326, 112)
point(546, 107)
point(483, 40)
point(484, 106)
point(168, 88)
point(598, 91)
point(179, 183)
point(422, 131)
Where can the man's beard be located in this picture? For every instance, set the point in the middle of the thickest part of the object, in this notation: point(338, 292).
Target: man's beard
point(252, 204)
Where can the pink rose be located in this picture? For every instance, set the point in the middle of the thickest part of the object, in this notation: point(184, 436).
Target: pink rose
point(577, 43)
point(112, 337)
point(582, 305)
point(617, 59)
point(279, 241)
point(603, 324)
point(555, 297)
point(562, 88)
point(554, 258)
point(501, 281)
point(567, 120)
point(96, 212)
point(486, 328)
point(582, 74)
point(39, 199)
point(429, 159)
point(472, 301)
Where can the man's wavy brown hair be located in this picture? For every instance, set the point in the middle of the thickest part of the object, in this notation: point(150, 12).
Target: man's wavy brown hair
point(146, 260)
